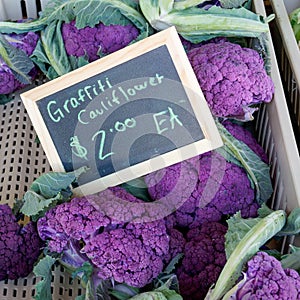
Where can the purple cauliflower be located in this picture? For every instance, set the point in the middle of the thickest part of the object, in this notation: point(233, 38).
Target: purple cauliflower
point(207, 187)
point(266, 279)
point(25, 42)
point(20, 246)
point(221, 188)
point(127, 252)
point(204, 258)
point(98, 40)
point(122, 255)
point(74, 220)
point(233, 78)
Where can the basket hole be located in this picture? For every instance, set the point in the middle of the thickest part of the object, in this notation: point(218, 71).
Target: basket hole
point(61, 291)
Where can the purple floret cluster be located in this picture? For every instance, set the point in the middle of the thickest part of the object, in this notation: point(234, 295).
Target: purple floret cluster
point(127, 252)
point(232, 78)
point(212, 187)
point(20, 246)
point(69, 221)
point(204, 258)
point(94, 41)
point(266, 279)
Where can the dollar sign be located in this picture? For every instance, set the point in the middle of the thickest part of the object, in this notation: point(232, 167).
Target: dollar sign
point(79, 150)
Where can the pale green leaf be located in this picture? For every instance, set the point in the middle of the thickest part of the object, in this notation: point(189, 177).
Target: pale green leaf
point(233, 3)
point(150, 296)
point(196, 24)
point(50, 184)
point(183, 4)
point(43, 269)
point(237, 229)
point(173, 263)
point(165, 6)
point(34, 203)
point(17, 60)
point(264, 211)
point(150, 9)
point(292, 226)
point(5, 98)
point(257, 170)
point(292, 259)
point(294, 17)
point(92, 12)
point(164, 292)
point(51, 54)
point(22, 27)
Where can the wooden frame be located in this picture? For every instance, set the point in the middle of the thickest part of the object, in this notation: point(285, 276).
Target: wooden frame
point(168, 37)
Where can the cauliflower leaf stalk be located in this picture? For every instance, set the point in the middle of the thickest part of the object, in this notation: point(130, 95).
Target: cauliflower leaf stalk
point(197, 24)
point(239, 153)
point(243, 240)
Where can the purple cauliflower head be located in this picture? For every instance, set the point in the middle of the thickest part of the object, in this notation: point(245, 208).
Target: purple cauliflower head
point(204, 258)
point(233, 78)
point(127, 252)
point(131, 252)
point(92, 41)
point(20, 246)
point(222, 188)
point(207, 187)
point(266, 279)
point(125, 256)
point(74, 220)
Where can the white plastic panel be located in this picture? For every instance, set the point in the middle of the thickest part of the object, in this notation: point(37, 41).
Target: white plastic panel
point(31, 9)
point(10, 9)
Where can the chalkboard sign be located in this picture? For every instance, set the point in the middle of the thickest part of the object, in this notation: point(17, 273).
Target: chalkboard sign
point(125, 115)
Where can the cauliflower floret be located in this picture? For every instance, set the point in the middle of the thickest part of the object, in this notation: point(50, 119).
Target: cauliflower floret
point(99, 39)
point(204, 258)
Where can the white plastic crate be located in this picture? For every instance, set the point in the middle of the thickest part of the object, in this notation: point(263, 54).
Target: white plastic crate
point(288, 56)
point(22, 159)
point(19, 9)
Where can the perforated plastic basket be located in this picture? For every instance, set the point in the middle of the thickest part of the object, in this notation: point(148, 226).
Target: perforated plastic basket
point(288, 56)
point(22, 159)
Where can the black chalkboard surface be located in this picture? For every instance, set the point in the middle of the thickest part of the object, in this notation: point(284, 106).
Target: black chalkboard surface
point(127, 114)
